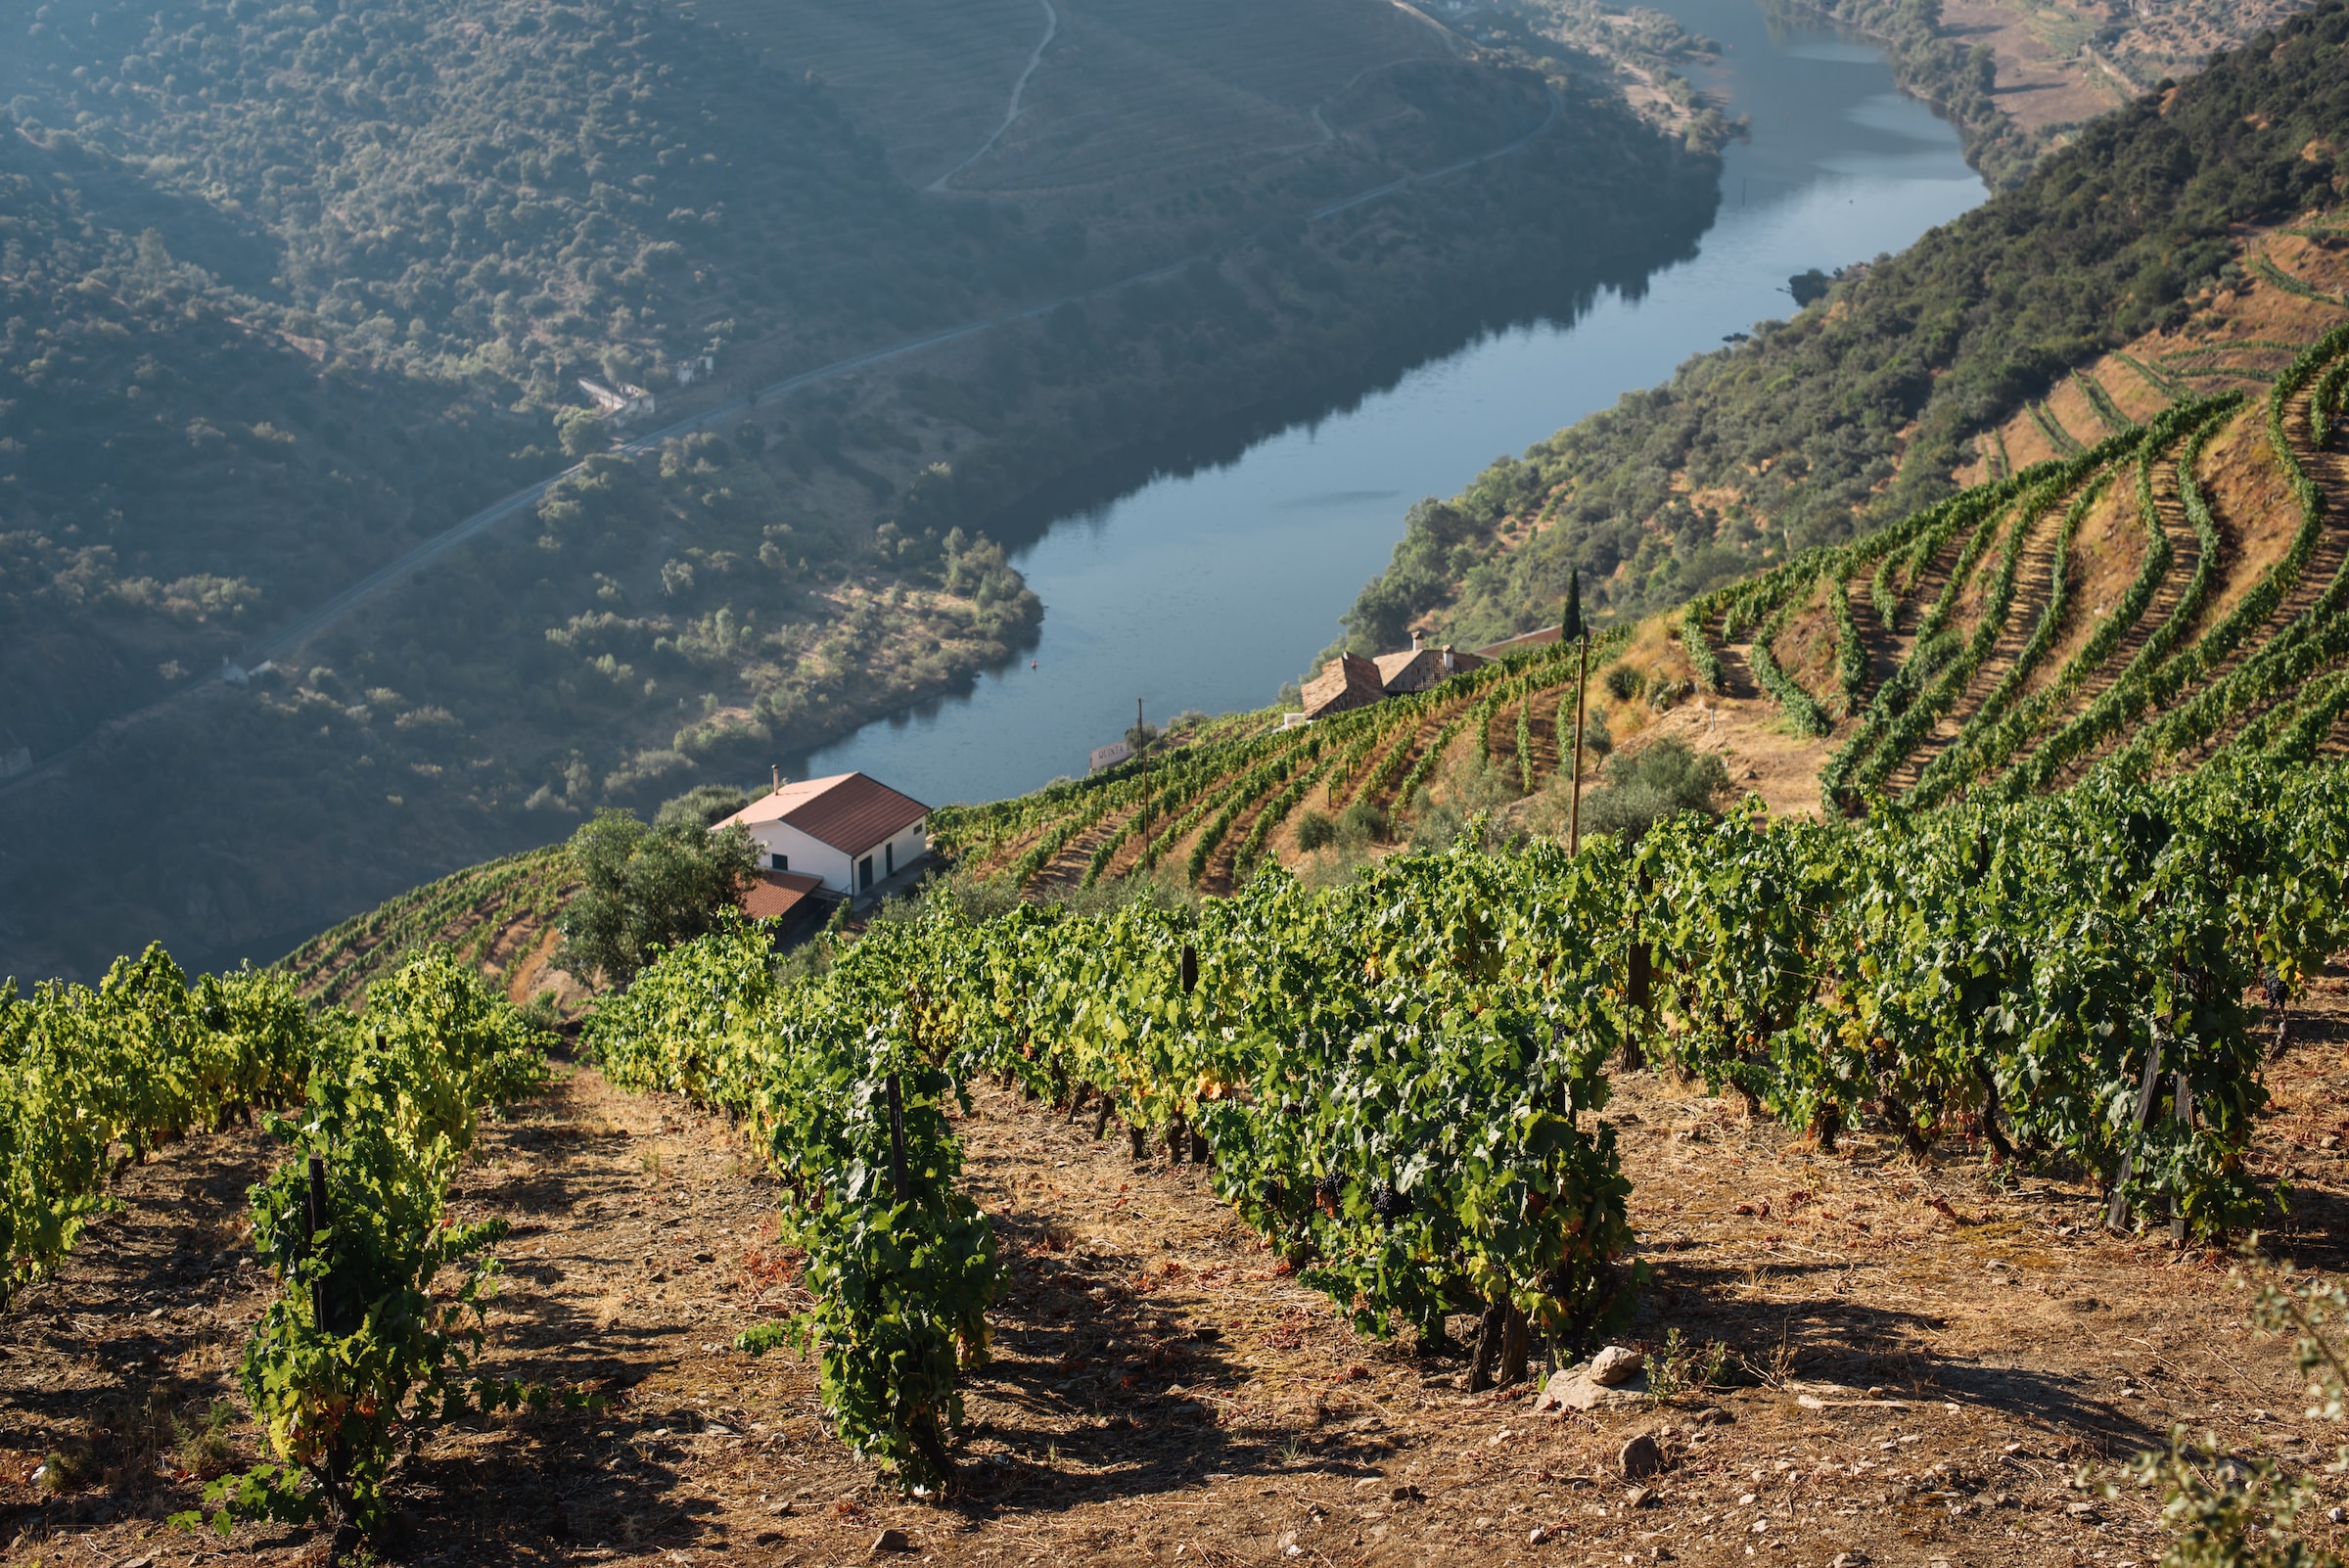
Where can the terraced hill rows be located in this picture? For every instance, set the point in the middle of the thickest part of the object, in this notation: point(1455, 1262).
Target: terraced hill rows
point(2145, 569)
point(499, 914)
point(2156, 581)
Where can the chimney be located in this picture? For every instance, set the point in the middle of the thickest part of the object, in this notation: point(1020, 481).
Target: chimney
point(1448, 665)
point(778, 780)
point(1414, 642)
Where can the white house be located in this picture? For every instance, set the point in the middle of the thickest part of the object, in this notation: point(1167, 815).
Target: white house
point(621, 404)
point(850, 830)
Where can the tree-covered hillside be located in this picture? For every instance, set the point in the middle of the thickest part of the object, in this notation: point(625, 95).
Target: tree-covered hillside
point(1859, 408)
point(286, 290)
point(503, 193)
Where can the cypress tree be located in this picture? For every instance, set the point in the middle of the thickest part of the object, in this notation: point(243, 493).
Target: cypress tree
point(1570, 624)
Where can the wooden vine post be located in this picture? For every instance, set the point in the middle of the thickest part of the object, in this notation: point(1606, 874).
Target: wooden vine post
point(1574, 806)
point(2118, 1212)
point(1190, 984)
point(325, 1313)
point(897, 1136)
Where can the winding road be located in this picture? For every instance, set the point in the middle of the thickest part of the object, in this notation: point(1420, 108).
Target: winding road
point(1051, 30)
point(290, 636)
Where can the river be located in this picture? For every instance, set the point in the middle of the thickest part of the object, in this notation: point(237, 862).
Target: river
point(1207, 590)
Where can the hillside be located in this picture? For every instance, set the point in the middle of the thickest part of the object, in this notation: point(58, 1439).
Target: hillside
point(2153, 592)
point(1855, 1101)
point(289, 293)
point(1860, 410)
point(2156, 593)
point(2020, 77)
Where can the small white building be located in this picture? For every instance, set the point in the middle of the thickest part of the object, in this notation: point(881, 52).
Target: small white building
point(850, 830)
point(620, 405)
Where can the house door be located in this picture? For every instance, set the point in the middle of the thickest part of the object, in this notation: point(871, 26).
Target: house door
point(864, 873)
point(888, 859)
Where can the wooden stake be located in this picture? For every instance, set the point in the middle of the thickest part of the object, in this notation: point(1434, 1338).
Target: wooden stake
point(2185, 1112)
point(2118, 1210)
point(320, 1217)
point(897, 1138)
point(1574, 808)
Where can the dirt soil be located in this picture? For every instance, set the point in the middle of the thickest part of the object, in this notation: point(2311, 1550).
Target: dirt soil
point(1923, 1354)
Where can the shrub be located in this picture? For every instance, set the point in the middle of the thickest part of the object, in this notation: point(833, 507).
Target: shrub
point(1624, 684)
point(1363, 823)
point(706, 805)
point(1314, 831)
point(1643, 788)
point(647, 887)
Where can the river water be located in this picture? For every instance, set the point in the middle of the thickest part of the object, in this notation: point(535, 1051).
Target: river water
point(1209, 590)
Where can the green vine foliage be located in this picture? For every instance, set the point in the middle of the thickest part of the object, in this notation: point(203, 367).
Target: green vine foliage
point(92, 1078)
point(903, 1272)
point(357, 1351)
point(2016, 970)
point(1389, 1097)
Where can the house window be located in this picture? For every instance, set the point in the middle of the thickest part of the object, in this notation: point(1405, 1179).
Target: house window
point(782, 862)
point(888, 859)
point(864, 873)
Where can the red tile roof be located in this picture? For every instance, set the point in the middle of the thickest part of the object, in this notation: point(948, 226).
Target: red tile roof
point(778, 893)
point(850, 812)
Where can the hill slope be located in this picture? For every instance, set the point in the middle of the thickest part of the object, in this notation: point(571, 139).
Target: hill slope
point(1860, 409)
point(284, 294)
point(2172, 591)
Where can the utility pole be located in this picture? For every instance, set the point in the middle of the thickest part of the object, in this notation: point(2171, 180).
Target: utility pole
point(1574, 808)
point(1138, 732)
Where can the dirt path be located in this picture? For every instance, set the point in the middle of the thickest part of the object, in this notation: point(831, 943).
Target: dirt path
point(1924, 1353)
point(1011, 112)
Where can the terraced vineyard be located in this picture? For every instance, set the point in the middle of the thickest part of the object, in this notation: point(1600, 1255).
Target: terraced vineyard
point(1221, 808)
point(2150, 572)
point(498, 915)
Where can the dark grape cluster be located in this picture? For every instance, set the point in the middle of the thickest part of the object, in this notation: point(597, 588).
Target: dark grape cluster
point(1388, 1203)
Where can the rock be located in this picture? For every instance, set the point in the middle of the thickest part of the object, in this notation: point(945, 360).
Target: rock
point(1537, 1535)
point(1712, 1415)
point(1849, 1559)
point(893, 1540)
point(2084, 1512)
point(1613, 1367)
point(1639, 1458)
point(1403, 1494)
point(1574, 1389)
point(1639, 1497)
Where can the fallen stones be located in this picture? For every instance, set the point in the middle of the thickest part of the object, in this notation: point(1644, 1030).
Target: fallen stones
point(1614, 1378)
point(1614, 1367)
point(1639, 1458)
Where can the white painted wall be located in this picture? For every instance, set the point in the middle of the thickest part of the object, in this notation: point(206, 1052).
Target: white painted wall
point(806, 854)
point(819, 859)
